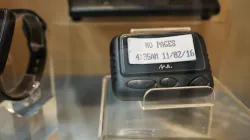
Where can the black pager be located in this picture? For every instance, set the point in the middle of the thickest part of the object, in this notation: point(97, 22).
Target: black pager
point(140, 62)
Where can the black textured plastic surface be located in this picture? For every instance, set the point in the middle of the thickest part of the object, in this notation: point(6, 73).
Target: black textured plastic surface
point(93, 8)
point(169, 82)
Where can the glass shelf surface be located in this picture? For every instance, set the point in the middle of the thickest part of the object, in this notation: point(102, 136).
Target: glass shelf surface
point(227, 119)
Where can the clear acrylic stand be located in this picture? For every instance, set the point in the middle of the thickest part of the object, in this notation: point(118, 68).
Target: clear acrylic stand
point(31, 105)
point(154, 119)
point(227, 119)
point(178, 97)
point(35, 117)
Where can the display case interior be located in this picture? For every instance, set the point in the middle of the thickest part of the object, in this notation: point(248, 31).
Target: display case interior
point(228, 118)
point(32, 118)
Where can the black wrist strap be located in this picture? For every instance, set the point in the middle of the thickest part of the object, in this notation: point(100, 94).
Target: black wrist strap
point(34, 29)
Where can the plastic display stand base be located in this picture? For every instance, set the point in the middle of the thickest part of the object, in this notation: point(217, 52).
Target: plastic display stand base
point(33, 118)
point(180, 117)
point(31, 105)
point(227, 119)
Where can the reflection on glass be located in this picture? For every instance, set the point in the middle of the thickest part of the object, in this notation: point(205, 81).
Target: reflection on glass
point(17, 62)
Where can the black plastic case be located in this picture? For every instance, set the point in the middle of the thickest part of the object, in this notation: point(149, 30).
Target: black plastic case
point(121, 76)
point(92, 8)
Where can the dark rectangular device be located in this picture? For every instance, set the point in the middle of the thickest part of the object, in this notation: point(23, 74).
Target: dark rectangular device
point(93, 8)
point(143, 61)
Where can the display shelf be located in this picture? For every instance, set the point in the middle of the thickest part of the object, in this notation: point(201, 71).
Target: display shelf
point(34, 117)
point(127, 120)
